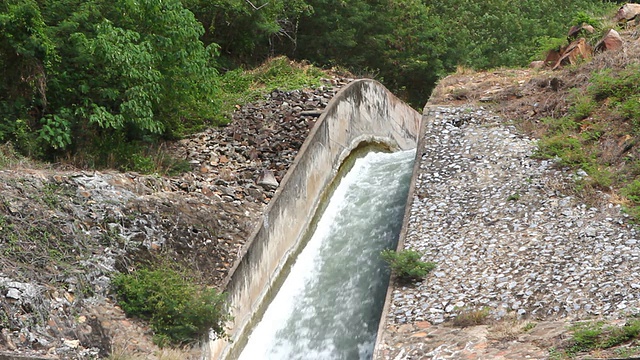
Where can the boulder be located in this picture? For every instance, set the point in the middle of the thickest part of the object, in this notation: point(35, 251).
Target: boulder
point(611, 41)
point(537, 64)
point(553, 56)
point(576, 51)
point(627, 12)
point(576, 30)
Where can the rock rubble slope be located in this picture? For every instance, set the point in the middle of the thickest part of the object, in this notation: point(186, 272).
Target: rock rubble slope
point(510, 239)
point(64, 233)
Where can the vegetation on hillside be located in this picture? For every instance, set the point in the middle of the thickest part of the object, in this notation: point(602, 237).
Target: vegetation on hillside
point(97, 82)
point(598, 130)
point(179, 310)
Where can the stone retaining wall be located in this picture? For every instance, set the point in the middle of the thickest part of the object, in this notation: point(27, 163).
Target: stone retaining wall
point(362, 112)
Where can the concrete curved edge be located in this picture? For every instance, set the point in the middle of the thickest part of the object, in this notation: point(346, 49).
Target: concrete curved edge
point(427, 117)
point(362, 112)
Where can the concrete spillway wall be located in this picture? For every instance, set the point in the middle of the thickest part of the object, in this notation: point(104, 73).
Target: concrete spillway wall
point(362, 112)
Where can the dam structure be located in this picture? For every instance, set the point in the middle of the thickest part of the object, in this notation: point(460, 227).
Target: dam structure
point(330, 303)
point(362, 113)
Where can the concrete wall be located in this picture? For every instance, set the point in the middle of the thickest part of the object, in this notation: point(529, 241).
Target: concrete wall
point(427, 118)
point(363, 111)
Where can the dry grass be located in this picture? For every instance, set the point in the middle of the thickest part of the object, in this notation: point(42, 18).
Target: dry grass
point(178, 354)
point(120, 352)
point(509, 328)
point(471, 317)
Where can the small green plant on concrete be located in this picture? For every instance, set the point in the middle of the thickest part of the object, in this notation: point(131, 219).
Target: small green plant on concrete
point(406, 264)
point(513, 197)
point(178, 309)
point(529, 326)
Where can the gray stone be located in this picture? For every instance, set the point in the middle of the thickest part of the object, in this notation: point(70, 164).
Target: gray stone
point(550, 255)
point(13, 293)
point(267, 179)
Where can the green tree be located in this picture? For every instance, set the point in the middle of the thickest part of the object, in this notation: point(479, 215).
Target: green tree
point(27, 54)
point(248, 31)
point(412, 43)
point(120, 71)
point(400, 40)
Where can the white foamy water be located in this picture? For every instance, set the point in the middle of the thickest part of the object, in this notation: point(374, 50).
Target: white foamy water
point(329, 306)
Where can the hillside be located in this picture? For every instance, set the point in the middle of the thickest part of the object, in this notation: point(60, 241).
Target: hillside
point(66, 232)
point(526, 200)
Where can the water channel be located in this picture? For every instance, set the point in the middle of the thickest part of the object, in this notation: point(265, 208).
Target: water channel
point(329, 305)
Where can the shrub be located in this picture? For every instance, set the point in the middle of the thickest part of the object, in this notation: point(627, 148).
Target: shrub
point(586, 336)
point(561, 125)
point(545, 43)
point(240, 86)
point(583, 106)
point(178, 310)
point(630, 109)
point(406, 264)
point(615, 85)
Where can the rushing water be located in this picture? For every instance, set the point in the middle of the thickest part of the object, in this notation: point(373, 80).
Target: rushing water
point(329, 306)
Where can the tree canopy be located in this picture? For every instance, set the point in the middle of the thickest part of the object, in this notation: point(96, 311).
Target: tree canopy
point(85, 77)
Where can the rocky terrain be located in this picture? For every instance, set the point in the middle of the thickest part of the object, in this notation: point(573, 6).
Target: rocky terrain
point(514, 246)
point(63, 233)
point(519, 248)
point(526, 254)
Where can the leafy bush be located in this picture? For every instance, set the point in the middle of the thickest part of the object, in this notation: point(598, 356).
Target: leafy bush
point(545, 44)
point(615, 85)
point(582, 17)
point(81, 71)
point(632, 191)
point(178, 310)
point(406, 264)
point(560, 125)
point(583, 106)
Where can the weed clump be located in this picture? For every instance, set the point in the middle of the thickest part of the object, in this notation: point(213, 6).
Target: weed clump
point(406, 264)
point(178, 309)
point(596, 335)
point(471, 317)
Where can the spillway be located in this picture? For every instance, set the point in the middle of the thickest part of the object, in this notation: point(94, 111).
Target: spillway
point(329, 305)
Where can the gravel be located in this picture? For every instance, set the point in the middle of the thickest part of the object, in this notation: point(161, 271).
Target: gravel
point(507, 232)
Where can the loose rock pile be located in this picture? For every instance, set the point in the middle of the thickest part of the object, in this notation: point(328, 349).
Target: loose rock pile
point(508, 237)
point(246, 160)
point(100, 222)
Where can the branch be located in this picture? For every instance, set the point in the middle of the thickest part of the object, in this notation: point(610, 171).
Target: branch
point(256, 8)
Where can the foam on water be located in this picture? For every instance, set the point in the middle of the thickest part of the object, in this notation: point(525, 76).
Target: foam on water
point(329, 306)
